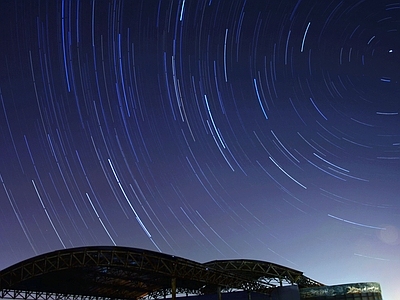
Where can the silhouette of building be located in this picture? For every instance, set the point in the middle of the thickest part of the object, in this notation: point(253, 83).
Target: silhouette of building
point(129, 273)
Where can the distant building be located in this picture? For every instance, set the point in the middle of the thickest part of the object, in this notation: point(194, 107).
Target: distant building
point(353, 291)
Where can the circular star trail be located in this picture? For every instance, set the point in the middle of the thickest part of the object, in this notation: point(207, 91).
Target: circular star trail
point(206, 129)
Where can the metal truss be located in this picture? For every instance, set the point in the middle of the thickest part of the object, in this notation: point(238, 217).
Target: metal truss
point(34, 295)
point(269, 273)
point(128, 273)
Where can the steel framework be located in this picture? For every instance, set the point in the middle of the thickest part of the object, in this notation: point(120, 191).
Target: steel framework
point(269, 273)
point(90, 273)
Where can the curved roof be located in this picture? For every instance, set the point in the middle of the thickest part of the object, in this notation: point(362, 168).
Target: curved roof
point(121, 272)
point(269, 273)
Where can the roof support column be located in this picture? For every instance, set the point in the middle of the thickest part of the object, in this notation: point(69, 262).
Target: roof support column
point(173, 288)
point(219, 293)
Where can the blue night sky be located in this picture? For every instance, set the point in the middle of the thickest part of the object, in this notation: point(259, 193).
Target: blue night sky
point(205, 129)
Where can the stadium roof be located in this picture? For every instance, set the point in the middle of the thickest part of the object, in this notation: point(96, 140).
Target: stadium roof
point(129, 273)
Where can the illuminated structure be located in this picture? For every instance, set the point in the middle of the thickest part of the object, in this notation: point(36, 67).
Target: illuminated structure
point(129, 273)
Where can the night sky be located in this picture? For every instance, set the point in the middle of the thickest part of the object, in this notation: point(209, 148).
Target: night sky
point(205, 129)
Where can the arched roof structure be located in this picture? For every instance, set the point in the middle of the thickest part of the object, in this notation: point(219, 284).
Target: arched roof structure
point(129, 273)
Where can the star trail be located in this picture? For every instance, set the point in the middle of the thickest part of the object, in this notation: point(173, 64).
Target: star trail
point(205, 129)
